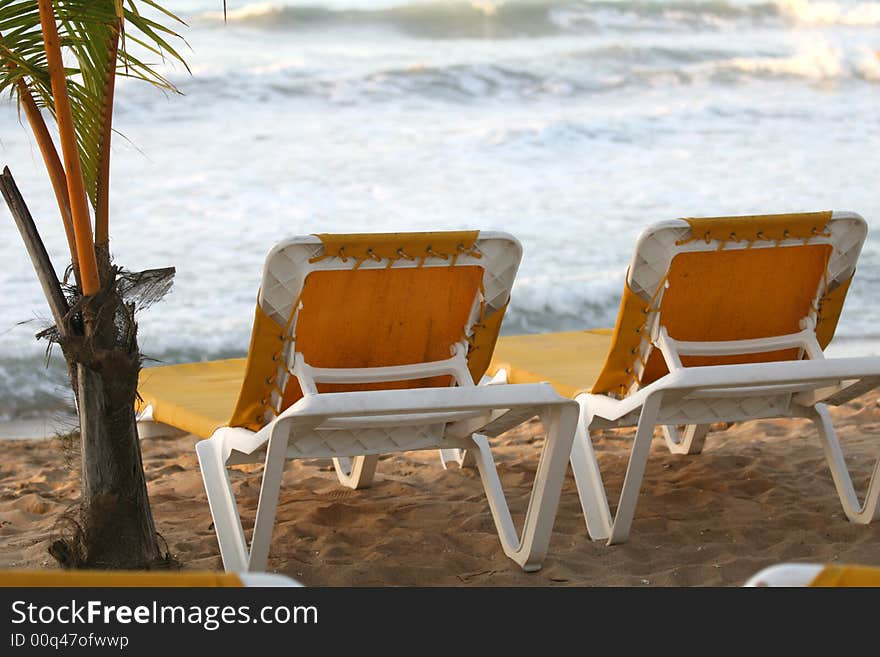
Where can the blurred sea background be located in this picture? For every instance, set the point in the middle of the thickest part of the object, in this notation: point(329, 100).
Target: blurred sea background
point(570, 123)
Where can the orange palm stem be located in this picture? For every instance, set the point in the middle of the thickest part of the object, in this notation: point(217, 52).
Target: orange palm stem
point(79, 208)
point(53, 166)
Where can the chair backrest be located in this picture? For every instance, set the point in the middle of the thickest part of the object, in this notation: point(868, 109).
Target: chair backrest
point(730, 279)
point(374, 300)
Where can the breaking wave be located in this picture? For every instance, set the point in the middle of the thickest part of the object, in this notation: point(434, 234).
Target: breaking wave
point(499, 19)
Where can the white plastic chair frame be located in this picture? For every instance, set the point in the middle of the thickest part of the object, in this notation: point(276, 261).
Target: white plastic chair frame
point(358, 472)
point(353, 428)
point(785, 575)
point(430, 418)
point(730, 393)
point(698, 396)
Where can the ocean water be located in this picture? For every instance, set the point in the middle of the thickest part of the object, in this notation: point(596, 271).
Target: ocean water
point(570, 123)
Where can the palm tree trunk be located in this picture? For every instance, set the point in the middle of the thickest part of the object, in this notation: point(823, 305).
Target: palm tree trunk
point(115, 515)
point(114, 527)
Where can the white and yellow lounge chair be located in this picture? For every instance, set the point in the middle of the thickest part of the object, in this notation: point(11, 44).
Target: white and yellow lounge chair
point(721, 320)
point(816, 575)
point(362, 345)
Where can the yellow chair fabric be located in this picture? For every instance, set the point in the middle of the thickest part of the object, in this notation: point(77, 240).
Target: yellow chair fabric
point(105, 579)
point(850, 576)
point(197, 398)
point(738, 295)
point(570, 361)
point(616, 374)
point(382, 317)
point(751, 228)
point(398, 246)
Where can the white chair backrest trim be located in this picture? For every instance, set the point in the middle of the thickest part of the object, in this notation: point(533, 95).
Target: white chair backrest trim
point(659, 244)
point(287, 266)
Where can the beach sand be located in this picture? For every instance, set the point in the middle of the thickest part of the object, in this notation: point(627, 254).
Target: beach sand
point(760, 493)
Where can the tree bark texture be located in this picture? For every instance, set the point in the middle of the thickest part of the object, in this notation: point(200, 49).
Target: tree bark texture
point(114, 525)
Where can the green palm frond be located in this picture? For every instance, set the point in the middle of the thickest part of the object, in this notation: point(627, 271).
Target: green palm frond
point(88, 32)
point(22, 54)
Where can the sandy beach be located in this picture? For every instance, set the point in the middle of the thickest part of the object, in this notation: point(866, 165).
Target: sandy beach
point(759, 494)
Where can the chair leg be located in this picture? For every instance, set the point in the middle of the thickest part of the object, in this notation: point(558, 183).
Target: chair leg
point(529, 551)
point(635, 471)
point(356, 472)
point(462, 457)
point(268, 504)
point(859, 513)
point(224, 510)
point(689, 441)
point(588, 479)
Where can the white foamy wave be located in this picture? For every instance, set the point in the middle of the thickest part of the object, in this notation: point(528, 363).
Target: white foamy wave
point(257, 10)
point(815, 61)
point(28, 388)
point(559, 76)
point(511, 18)
point(487, 7)
point(429, 18)
point(563, 302)
point(810, 12)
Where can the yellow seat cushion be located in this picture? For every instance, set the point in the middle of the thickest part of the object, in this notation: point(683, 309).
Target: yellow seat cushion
point(199, 398)
point(570, 361)
point(195, 397)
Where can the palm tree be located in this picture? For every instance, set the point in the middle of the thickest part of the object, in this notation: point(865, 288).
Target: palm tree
point(59, 60)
